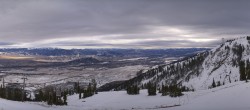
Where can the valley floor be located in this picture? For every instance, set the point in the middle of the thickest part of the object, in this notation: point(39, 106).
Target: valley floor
point(234, 96)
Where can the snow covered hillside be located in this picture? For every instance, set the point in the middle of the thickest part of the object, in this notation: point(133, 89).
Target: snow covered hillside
point(219, 65)
point(222, 64)
point(233, 96)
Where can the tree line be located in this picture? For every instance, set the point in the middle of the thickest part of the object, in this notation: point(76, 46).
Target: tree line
point(165, 90)
point(50, 94)
point(15, 94)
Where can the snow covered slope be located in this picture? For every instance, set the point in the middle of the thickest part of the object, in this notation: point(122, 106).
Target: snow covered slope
point(220, 65)
point(233, 96)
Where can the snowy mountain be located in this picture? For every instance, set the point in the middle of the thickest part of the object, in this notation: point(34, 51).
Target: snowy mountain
point(220, 66)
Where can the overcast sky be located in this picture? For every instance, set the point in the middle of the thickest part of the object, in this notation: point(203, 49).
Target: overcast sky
point(121, 23)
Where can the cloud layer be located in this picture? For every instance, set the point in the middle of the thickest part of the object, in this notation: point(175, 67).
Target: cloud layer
point(121, 23)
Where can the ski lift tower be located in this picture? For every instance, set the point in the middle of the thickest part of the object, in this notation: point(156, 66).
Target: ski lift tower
point(23, 91)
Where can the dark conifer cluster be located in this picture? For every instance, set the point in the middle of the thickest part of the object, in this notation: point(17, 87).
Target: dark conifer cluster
point(238, 50)
point(213, 84)
point(52, 96)
point(15, 94)
point(172, 90)
point(151, 89)
point(244, 69)
point(133, 90)
point(217, 84)
point(87, 92)
point(90, 91)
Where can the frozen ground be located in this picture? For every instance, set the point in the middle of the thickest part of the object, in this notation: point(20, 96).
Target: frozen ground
point(234, 96)
point(230, 97)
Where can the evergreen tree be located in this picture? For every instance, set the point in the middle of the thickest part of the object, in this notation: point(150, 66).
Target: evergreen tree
point(54, 98)
point(218, 83)
point(242, 71)
point(65, 97)
point(174, 91)
point(165, 90)
point(248, 69)
point(80, 95)
point(78, 87)
point(50, 102)
point(133, 90)
point(151, 89)
point(213, 84)
point(94, 86)
point(89, 91)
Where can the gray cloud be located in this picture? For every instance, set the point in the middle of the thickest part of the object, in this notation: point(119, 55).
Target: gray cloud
point(6, 43)
point(139, 23)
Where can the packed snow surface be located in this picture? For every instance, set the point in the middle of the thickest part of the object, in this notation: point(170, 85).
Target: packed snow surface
point(233, 96)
